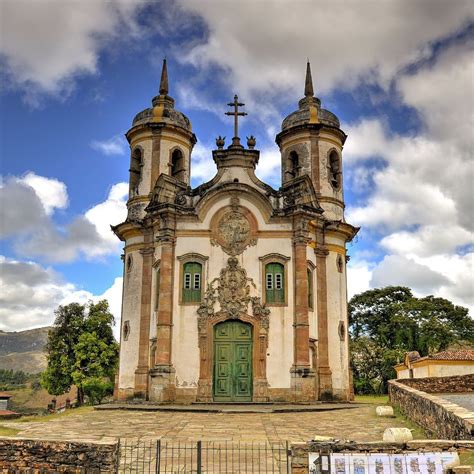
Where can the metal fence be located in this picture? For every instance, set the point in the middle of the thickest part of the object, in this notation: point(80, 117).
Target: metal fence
point(160, 456)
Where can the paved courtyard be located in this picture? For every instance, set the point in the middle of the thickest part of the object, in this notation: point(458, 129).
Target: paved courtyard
point(358, 423)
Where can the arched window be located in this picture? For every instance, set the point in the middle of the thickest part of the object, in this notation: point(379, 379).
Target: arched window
point(293, 165)
point(192, 282)
point(334, 169)
point(274, 283)
point(136, 165)
point(177, 165)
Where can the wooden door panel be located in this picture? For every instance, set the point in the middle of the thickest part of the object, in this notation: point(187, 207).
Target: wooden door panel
point(233, 361)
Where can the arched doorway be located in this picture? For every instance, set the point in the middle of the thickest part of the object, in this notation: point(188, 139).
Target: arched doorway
point(232, 374)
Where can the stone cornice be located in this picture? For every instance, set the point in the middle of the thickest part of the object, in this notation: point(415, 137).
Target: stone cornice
point(311, 127)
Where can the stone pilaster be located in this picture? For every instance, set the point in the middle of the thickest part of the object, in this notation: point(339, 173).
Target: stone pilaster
point(162, 376)
point(141, 372)
point(324, 370)
point(302, 376)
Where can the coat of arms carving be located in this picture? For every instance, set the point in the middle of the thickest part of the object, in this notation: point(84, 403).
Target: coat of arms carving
point(234, 233)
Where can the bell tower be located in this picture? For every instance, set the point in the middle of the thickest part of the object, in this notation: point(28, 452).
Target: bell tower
point(311, 143)
point(161, 141)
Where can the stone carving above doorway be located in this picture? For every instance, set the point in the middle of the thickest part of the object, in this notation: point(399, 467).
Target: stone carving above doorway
point(232, 291)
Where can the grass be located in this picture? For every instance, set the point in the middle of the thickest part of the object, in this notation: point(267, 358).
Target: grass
point(467, 458)
point(4, 431)
point(64, 414)
point(377, 400)
point(372, 399)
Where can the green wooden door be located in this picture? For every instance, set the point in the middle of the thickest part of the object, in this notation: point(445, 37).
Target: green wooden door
point(233, 362)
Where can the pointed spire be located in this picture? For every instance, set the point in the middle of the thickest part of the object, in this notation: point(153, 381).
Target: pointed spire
point(308, 85)
point(164, 79)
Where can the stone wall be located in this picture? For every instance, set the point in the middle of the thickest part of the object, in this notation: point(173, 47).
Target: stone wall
point(438, 417)
point(27, 455)
point(453, 384)
point(300, 451)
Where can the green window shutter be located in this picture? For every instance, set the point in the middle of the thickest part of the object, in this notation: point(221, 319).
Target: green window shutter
point(274, 283)
point(192, 282)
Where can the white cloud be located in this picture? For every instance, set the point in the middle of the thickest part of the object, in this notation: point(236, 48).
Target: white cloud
point(262, 46)
point(51, 192)
point(203, 167)
point(46, 44)
point(359, 274)
point(23, 216)
point(31, 293)
point(112, 211)
point(427, 240)
point(116, 145)
point(399, 270)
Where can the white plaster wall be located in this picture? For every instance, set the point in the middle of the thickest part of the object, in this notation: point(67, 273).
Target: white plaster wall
point(185, 336)
point(403, 374)
point(419, 372)
point(337, 311)
point(312, 314)
point(131, 312)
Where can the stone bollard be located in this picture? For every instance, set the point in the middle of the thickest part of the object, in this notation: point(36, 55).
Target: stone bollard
point(385, 411)
point(462, 470)
point(397, 435)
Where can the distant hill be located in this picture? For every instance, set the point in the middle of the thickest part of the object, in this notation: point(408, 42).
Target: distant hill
point(23, 350)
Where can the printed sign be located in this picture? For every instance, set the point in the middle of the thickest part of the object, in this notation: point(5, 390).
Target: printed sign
point(380, 463)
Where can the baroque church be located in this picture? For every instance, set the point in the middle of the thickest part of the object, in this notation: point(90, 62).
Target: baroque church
point(235, 291)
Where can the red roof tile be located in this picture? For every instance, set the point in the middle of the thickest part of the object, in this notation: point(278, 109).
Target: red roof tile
point(464, 354)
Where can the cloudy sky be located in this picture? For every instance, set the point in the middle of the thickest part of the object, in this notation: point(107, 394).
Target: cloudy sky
point(398, 73)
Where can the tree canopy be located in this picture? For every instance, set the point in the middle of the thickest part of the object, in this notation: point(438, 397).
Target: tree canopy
point(384, 323)
point(81, 349)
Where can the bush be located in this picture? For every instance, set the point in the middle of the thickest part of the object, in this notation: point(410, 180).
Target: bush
point(96, 389)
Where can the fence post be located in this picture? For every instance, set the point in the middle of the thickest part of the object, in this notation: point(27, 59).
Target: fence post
point(199, 457)
point(158, 456)
point(288, 454)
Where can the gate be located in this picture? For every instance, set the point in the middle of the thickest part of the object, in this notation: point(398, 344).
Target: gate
point(164, 457)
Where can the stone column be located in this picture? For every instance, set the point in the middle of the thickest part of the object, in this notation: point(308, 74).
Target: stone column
point(302, 375)
point(162, 376)
point(301, 323)
point(324, 370)
point(141, 372)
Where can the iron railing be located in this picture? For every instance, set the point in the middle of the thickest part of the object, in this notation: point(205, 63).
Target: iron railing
point(221, 457)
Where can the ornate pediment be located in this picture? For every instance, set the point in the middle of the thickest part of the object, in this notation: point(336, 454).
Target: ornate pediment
point(232, 292)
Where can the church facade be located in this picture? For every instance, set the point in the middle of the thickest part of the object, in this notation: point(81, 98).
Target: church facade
point(234, 291)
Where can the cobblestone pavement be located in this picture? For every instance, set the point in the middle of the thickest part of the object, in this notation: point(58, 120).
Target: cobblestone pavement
point(359, 423)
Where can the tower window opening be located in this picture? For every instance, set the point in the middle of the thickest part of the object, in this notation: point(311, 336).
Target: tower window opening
point(334, 170)
point(177, 165)
point(293, 165)
point(136, 165)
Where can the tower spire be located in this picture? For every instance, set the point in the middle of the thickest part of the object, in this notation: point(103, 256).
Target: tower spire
point(308, 85)
point(164, 79)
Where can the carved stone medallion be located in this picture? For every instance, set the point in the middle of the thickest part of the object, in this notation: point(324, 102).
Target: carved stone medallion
point(233, 230)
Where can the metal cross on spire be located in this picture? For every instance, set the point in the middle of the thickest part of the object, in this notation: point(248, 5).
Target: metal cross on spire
point(236, 104)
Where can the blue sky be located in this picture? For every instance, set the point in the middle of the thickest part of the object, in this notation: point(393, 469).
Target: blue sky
point(399, 75)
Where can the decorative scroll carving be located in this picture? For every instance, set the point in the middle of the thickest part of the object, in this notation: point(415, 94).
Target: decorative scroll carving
point(232, 291)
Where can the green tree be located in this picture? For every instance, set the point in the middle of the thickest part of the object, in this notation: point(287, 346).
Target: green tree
point(387, 322)
point(80, 347)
